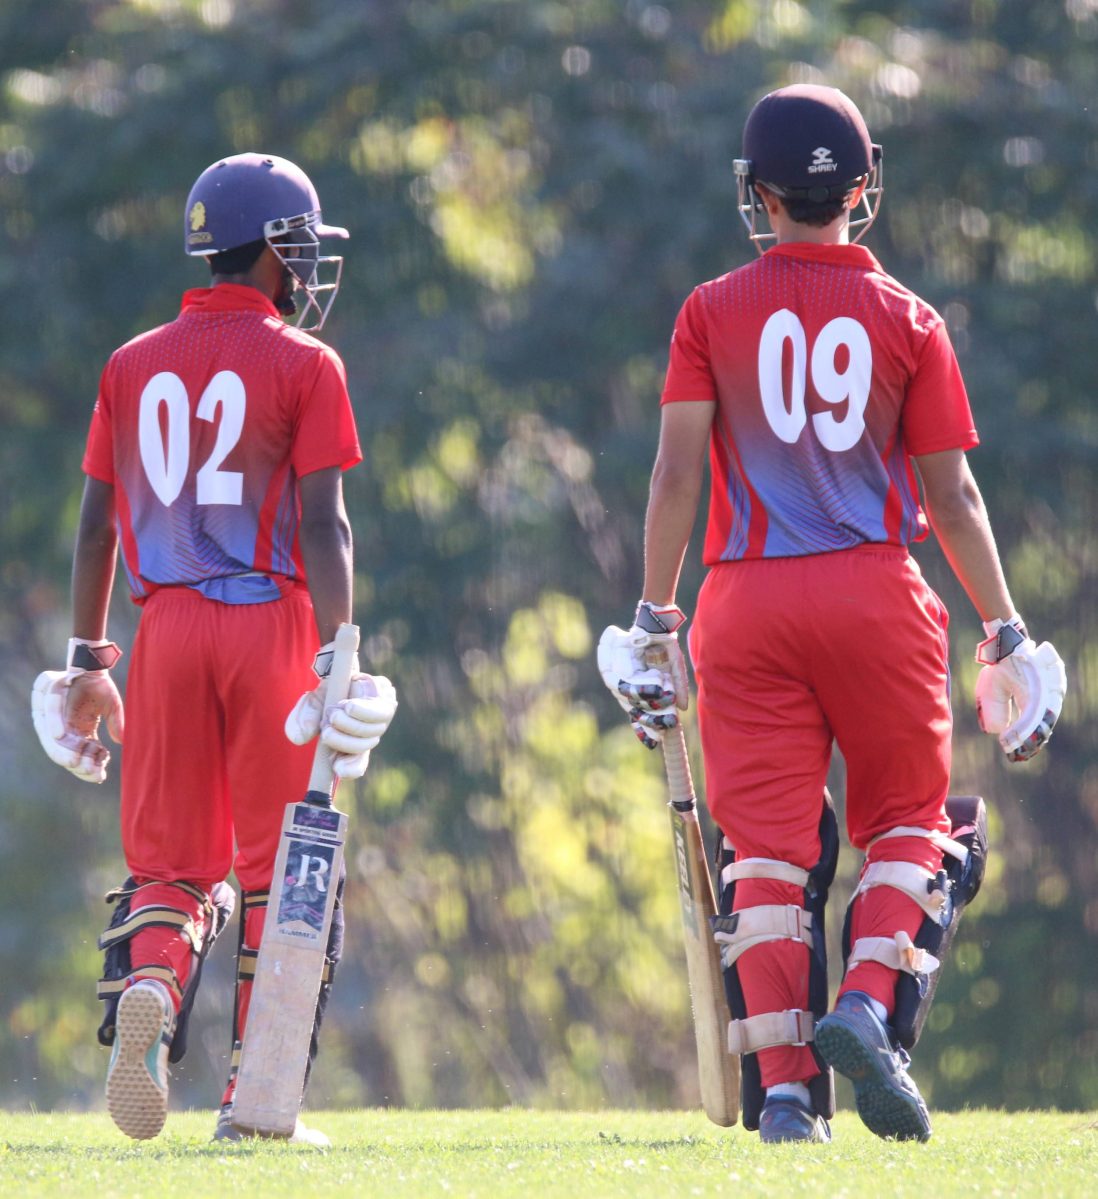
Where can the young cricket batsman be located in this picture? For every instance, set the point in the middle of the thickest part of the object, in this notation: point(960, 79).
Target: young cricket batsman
point(824, 393)
point(214, 462)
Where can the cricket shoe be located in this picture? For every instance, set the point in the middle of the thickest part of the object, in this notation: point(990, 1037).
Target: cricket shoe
point(226, 1130)
point(855, 1042)
point(137, 1077)
point(787, 1119)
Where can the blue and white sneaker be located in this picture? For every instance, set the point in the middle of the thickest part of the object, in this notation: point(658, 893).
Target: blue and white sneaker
point(855, 1042)
point(137, 1077)
point(787, 1119)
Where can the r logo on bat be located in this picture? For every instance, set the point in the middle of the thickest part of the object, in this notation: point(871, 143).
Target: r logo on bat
point(315, 866)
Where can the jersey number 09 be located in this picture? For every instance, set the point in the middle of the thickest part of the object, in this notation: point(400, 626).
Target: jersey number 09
point(788, 418)
point(166, 456)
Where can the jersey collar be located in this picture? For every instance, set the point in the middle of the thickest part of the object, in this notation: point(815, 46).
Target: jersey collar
point(837, 255)
point(227, 297)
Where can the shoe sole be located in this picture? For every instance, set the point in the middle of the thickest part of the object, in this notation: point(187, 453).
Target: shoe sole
point(136, 1103)
point(885, 1109)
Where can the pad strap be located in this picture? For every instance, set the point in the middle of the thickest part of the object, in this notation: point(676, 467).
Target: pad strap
point(926, 889)
point(107, 987)
point(749, 927)
point(792, 1027)
point(897, 952)
point(152, 916)
point(782, 872)
point(946, 844)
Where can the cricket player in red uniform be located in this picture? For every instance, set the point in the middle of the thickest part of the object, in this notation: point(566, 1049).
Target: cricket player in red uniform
point(816, 382)
point(214, 461)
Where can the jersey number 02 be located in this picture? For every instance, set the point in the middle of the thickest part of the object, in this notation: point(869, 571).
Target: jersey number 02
point(788, 417)
point(166, 443)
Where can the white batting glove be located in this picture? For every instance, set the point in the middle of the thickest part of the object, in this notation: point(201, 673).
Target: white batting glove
point(350, 728)
point(1020, 691)
point(68, 705)
point(643, 668)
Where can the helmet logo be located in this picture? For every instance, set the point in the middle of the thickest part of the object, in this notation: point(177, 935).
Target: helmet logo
point(196, 218)
point(822, 161)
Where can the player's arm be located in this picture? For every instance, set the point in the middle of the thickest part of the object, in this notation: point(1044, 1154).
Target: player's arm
point(649, 692)
point(93, 561)
point(1020, 691)
point(67, 706)
point(325, 536)
point(960, 522)
point(354, 726)
point(673, 495)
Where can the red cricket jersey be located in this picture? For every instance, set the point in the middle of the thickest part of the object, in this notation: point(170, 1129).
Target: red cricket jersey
point(828, 376)
point(204, 426)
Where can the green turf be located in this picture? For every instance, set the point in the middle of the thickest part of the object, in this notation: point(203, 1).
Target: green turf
point(497, 1155)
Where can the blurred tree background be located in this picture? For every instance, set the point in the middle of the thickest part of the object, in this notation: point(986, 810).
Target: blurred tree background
point(533, 188)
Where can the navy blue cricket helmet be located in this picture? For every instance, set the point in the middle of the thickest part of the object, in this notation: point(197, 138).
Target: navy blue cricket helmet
point(808, 142)
point(261, 197)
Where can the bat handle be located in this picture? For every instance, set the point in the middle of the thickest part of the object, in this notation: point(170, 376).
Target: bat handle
point(339, 683)
point(677, 765)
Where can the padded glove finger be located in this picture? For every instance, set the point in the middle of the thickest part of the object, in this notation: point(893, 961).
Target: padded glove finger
point(303, 722)
point(1039, 707)
point(651, 691)
point(355, 726)
point(651, 726)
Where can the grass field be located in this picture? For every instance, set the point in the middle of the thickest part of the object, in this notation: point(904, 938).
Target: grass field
point(515, 1153)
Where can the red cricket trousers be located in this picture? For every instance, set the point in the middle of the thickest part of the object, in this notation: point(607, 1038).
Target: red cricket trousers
point(207, 769)
point(791, 655)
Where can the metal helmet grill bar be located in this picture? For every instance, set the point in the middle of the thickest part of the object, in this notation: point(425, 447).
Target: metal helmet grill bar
point(750, 205)
point(299, 249)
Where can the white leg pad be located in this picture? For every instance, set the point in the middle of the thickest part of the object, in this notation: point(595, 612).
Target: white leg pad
point(914, 881)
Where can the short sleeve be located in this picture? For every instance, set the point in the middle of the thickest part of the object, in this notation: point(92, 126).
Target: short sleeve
point(324, 432)
point(99, 450)
point(936, 414)
point(689, 372)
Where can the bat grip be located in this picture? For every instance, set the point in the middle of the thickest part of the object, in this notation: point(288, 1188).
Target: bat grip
point(677, 765)
point(339, 683)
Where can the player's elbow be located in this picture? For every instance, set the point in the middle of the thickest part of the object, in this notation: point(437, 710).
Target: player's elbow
point(329, 533)
point(957, 506)
point(676, 476)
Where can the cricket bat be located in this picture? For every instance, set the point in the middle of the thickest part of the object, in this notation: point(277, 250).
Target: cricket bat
point(718, 1070)
point(275, 1051)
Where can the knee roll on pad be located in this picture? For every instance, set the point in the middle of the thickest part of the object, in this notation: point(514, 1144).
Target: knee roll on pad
point(131, 916)
point(957, 881)
point(730, 926)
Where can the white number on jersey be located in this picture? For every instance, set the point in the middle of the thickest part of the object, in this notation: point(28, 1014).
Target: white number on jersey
point(166, 447)
point(788, 417)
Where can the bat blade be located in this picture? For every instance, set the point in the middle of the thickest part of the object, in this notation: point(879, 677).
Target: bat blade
point(718, 1070)
point(275, 1052)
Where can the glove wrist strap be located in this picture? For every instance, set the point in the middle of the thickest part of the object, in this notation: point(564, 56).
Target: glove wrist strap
point(991, 627)
point(661, 620)
point(1001, 641)
point(92, 655)
point(322, 663)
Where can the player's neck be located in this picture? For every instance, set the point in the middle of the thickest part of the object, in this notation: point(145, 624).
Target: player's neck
point(835, 234)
